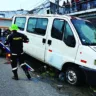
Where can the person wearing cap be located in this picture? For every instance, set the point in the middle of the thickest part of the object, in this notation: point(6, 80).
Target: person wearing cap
point(15, 41)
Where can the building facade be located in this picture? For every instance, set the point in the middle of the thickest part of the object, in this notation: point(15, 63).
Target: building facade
point(84, 9)
point(47, 7)
point(10, 14)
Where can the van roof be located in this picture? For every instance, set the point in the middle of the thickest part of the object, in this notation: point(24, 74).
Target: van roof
point(46, 15)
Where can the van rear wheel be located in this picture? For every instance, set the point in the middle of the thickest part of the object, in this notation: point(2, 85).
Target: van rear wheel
point(73, 76)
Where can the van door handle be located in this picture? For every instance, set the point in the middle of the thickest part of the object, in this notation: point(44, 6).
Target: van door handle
point(44, 40)
point(49, 42)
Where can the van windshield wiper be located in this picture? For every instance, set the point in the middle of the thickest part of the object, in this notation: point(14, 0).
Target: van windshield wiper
point(93, 43)
point(90, 44)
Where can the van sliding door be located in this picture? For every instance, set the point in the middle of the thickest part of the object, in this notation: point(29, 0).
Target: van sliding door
point(36, 32)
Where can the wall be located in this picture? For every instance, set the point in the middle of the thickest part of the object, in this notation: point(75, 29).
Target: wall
point(10, 14)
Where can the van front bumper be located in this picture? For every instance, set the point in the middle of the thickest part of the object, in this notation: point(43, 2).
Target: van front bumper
point(90, 75)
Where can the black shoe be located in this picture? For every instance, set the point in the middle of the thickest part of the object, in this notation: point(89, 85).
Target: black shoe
point(28, 75)
point(15, 78)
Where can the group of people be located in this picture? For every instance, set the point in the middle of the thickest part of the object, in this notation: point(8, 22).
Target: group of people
point(78, 5)
point(15, 42)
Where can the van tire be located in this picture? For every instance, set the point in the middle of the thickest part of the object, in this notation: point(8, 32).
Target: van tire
point(73, 76)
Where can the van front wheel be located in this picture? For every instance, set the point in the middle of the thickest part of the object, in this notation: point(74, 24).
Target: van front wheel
point(73, 76)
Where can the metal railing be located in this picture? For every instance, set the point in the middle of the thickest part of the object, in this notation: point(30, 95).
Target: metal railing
point(79, 6)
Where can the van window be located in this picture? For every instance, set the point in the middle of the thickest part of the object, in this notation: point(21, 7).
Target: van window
point(57, 29)
point(20, 21)
point(37, 25)
point(68, 35)
point(31, 25)
point(86, 31)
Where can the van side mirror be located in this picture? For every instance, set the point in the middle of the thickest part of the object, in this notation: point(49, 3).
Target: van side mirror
point(70, 41)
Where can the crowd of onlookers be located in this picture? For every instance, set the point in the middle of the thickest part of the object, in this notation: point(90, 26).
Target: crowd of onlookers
point(78, 5)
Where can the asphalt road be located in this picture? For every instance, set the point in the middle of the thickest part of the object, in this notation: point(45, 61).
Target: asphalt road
point(22, 87)
point(37, 86)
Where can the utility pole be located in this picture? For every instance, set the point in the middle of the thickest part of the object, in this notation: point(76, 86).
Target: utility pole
point(57, 6)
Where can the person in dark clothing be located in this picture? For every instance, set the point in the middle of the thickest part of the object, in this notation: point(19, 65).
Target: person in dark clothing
point(15, 41)
point(73, 5)
point(64, 3)
point(67, 7)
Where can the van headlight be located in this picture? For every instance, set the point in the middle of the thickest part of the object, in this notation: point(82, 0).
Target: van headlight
point(94, 62)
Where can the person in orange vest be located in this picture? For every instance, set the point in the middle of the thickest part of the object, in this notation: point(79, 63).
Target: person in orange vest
point(15, 41)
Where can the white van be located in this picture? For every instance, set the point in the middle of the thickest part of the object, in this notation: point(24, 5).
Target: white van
point(64, 42)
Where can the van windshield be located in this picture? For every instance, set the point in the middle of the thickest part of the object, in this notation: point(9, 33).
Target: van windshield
point(86, 31)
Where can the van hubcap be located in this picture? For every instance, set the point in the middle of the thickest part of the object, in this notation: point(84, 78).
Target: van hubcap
point(71, 76)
